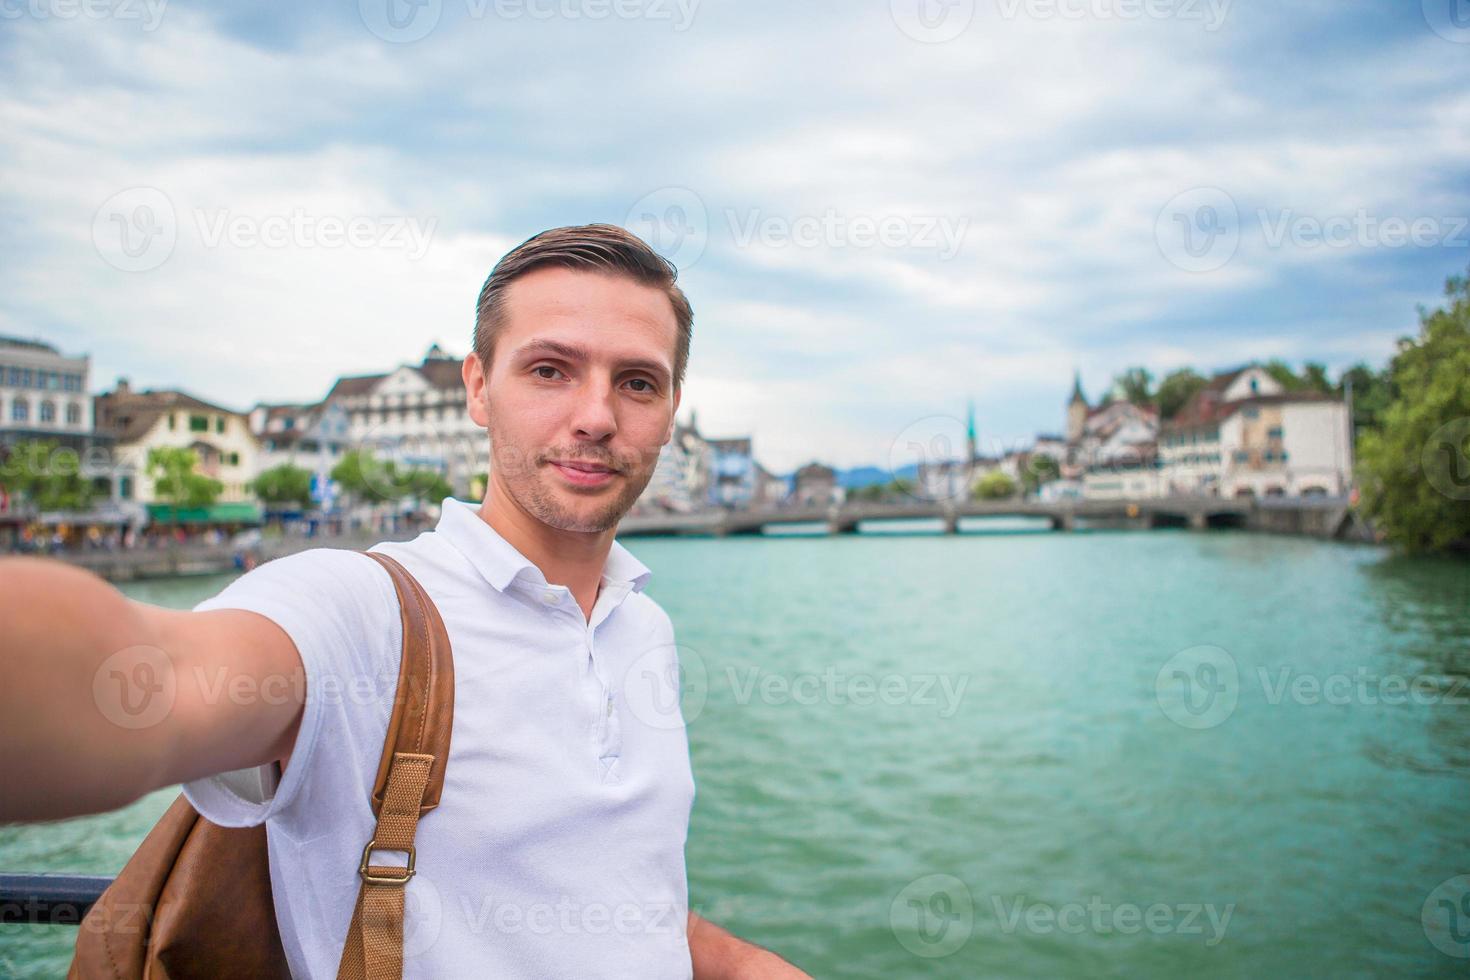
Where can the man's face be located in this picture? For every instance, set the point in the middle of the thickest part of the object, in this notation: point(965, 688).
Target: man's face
point(580, 396)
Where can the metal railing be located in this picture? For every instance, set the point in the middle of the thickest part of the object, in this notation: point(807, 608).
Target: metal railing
point(49, 899)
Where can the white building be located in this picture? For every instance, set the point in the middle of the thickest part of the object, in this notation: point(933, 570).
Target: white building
point(313, 437)
point(416, 416)
point(43, 394)
point(140, 420)
point(682, 477)
point(1243, 434)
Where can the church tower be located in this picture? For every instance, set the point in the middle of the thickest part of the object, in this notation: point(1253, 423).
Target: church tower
point(1077, 411)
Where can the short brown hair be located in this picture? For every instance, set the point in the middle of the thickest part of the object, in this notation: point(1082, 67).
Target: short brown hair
point(595, 248)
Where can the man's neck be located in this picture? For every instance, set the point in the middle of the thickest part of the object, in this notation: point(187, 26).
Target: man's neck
point(575, 559)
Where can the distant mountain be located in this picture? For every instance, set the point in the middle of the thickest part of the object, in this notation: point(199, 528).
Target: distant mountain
point(866, 476)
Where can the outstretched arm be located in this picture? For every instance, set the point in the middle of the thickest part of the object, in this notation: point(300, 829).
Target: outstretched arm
point(718, 955)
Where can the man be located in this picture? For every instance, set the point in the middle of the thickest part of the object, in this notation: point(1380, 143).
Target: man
point(557, 849)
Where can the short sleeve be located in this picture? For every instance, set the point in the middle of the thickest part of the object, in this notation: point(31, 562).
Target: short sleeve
point(340, 609)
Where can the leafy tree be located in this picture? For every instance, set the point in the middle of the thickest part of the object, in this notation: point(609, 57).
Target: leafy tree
point(1314, 378)
point(426, 486)
point(1372, 392)
point(1415, 468)
point(284, 484)
point(1284, 375)
point(995, 485)
point(364, 476)
point(174, 479)
point(46, 474)
point(1040, 469)
point(1135, 385)
point(1175, 391)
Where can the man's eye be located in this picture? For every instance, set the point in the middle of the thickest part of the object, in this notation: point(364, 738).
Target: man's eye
point(647, 385)
point(546, 367)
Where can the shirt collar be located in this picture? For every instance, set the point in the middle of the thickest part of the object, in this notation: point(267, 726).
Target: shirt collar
point(501, 563)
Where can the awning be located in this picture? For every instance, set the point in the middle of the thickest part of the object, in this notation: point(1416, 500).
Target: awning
point(236, 513)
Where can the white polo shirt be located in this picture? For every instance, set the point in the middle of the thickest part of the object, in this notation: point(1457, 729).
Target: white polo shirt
point(557, 849)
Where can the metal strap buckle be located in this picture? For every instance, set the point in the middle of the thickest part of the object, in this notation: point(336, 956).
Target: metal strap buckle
point(400, 876)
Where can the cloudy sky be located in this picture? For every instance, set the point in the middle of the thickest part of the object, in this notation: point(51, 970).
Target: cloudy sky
point(882, 209)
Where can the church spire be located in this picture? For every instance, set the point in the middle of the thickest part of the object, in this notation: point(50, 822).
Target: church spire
point(970, 428)
point(1077, 395)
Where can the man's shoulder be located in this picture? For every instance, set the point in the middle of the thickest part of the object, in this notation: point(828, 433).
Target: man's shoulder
point(315, 569)
point(646, 608)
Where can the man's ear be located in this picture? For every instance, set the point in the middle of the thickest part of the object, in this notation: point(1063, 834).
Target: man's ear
point(475, 384)
point(674, 415)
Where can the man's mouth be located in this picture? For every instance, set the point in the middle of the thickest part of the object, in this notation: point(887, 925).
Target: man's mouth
point(582, 473)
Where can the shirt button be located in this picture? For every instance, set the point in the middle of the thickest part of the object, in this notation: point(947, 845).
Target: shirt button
point(550, 598)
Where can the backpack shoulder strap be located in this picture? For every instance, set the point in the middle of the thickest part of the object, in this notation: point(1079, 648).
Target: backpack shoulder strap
point(409, 781)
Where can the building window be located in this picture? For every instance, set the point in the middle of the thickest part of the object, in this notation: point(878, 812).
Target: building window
point(1274, 432)
point(25, 377)
point(20, 410)
point(1252, 413)
point(219, 423)
point(73, 414)
point(170, 421)
point(125, 488)
point(48, 411)
point(234, 459)
point(1241, 456)
point(198, 423)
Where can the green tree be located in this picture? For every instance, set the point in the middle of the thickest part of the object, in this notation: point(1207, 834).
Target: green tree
point(174, 480)
point(1284, 375)
point(1177, 388)
point(283, 485)
point(1372, 391)
point(1415, 468)
point(995, 485)
point(1314, 378)
point(47, 475)
point(1039, 470)
point(425, 486)
point(367, 478)
point(1135, 385)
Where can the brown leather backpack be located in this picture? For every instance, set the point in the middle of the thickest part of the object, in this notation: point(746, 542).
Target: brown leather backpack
point(195, 898)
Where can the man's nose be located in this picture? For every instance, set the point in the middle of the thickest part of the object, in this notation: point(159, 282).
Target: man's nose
point(595, 416)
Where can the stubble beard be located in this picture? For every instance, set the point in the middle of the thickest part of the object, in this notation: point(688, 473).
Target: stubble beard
point(529, 483)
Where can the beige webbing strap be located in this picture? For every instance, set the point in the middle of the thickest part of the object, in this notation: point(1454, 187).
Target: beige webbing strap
point(374, 949)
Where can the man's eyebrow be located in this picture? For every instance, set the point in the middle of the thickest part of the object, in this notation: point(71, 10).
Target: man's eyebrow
point(576, 352)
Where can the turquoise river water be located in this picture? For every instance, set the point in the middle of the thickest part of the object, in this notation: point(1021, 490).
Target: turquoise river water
point(1117, 754)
